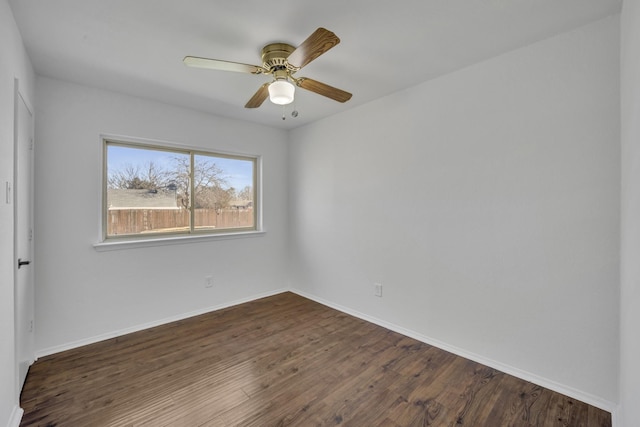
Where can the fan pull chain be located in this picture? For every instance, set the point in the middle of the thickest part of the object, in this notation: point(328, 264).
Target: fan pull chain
point(294, 113)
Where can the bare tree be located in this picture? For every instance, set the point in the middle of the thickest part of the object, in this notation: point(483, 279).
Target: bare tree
point(209, 183)
point(213, 197)
point(246, 193)
point(137, 177)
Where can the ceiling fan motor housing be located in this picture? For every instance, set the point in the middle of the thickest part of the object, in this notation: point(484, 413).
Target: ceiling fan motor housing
point(274, 57)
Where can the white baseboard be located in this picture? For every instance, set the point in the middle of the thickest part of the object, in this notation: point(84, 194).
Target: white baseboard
point(615, 422)
point(507, 369)
point(137, 328)
point(16, 417)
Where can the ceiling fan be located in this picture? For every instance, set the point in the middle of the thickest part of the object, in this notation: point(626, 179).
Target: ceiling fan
point(282, 61)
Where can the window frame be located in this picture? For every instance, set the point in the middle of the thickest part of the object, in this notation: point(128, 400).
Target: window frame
point(106, 242)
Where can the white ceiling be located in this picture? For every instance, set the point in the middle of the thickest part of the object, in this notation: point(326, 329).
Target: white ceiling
point(137, 46)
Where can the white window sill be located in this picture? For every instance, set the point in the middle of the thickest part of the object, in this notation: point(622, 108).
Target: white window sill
point(119, 244)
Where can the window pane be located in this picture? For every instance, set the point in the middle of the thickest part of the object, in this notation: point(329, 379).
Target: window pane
point(223, 193)
point(156, 189)
point(147, 191)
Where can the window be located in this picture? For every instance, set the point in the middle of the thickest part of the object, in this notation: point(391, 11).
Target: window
point(155, 190)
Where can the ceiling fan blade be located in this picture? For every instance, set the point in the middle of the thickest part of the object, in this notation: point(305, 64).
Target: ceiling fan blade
point(315, 45)
point(216, 64)
point(258, 98)
point(323, 89)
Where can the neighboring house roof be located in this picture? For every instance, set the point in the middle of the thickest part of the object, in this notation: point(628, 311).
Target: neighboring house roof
point(241, 204)
point(142, 199)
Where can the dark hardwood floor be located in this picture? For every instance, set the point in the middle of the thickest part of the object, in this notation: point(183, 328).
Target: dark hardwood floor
point(282, 361)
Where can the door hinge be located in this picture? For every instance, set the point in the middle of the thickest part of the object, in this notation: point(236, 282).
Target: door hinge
point(31, 234)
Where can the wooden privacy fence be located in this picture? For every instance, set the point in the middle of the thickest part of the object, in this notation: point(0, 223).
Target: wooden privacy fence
point(136, 221)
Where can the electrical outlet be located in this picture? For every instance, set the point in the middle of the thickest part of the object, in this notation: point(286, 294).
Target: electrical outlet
point(377, 289)
point(208, 282)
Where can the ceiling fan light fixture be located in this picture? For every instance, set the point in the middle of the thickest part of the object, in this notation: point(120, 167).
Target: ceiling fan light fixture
point(281, 92)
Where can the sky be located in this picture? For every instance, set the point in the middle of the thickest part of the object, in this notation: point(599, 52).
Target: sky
point(238, 173)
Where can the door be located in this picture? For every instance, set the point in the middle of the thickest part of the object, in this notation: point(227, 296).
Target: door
point(23, 236)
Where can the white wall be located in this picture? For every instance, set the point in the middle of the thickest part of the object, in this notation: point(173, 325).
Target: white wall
point(486, 202)
point(630, 236)
point(13, 64)
point(82, 294)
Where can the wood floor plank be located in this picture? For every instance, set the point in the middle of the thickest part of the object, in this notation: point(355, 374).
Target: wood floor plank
point(282, 361)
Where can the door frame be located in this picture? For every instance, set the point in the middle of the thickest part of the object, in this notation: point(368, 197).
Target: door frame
point(20, 97)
